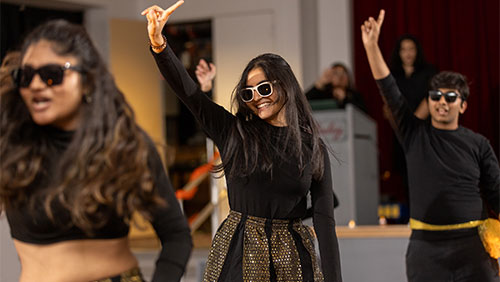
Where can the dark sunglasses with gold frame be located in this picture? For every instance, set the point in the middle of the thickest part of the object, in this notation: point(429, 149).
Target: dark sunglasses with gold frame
point(51, 74)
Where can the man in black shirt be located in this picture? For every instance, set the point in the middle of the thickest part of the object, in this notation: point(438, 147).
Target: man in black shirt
point(454, 177)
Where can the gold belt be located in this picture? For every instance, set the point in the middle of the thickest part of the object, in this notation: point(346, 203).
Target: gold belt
point(131, 275)
point(419, 225)
point(489, 231)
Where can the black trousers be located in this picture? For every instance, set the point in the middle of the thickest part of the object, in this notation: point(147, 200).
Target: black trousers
point(450, 260)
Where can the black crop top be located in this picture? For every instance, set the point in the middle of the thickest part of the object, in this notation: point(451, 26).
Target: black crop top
point(169, 223)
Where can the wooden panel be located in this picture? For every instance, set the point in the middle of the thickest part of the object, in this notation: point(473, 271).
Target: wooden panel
point(374, 231)
point(137, 76)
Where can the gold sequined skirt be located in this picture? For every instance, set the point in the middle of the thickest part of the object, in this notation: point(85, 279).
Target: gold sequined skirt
point(132, 275)
point(249, 248)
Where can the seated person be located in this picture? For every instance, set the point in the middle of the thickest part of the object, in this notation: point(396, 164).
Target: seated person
point(335, 83)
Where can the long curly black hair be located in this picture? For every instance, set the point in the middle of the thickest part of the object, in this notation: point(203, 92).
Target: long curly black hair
point(106, 162)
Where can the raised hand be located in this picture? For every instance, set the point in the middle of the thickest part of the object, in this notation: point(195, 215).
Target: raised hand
point(325, 78)
point(370, 29)
point(205, 74)
point(157, 18)
point(339, 94)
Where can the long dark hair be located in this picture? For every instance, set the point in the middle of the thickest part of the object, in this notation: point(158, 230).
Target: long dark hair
point(397, 64)
point(106, 162)
point(254, 144)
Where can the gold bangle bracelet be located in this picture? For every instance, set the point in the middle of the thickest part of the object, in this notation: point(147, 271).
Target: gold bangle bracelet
point(161, 47)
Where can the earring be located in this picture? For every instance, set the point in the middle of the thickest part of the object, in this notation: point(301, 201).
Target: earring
point(87, 98)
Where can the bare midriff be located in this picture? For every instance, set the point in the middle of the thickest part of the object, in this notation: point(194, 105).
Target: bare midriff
point(74, 261)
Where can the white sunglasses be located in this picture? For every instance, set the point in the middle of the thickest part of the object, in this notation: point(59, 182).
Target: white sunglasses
point(264, 89)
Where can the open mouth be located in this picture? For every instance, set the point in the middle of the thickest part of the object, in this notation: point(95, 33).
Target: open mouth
point(40, 103)
point(442, 111)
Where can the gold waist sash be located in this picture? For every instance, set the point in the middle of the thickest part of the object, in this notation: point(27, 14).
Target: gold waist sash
point(420, 225)
point(489, 231)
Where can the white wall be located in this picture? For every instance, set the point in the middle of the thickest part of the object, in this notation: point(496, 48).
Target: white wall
point(309, 39)
point(334, 32)
point(10, 267)
point(326, 36)
point(97, 24)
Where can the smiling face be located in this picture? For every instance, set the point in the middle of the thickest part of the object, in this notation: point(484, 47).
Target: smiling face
point(57, 105)
point(445, 115)
point(267, 108)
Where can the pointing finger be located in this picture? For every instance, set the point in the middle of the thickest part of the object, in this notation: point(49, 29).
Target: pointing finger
point(381, 17)
point(171, 9)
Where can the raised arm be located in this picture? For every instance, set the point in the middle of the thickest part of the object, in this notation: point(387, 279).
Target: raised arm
point(370, 31)
point(213, 118)
point(402, 120)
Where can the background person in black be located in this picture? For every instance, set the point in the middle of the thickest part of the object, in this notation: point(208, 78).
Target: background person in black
point(272, 157)
point(412, 74)
point(452, 170)
point(75, 166)
point(336, 83)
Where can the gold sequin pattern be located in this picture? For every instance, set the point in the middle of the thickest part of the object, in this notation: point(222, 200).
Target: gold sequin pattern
point(284, 253)
point(307, 240)
point(220, 247)
point(489, 232)
point(258, 250)
point(132, 275)
point(255, 251)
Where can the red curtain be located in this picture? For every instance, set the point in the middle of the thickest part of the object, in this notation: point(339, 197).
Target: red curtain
point(456, 35)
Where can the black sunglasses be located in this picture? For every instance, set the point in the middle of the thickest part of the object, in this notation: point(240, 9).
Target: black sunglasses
point(51, 74)
point(264, 89)
point(449, 97)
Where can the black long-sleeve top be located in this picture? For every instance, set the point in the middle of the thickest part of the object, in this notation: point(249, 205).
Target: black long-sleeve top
point(168, 222)
point(450, 172)
point(281, 195)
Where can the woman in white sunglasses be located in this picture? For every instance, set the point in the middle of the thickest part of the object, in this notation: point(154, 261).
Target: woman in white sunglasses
point(75, 165)
point(272, 157)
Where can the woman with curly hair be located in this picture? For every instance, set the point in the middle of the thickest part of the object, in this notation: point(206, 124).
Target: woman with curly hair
point(75, 166)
